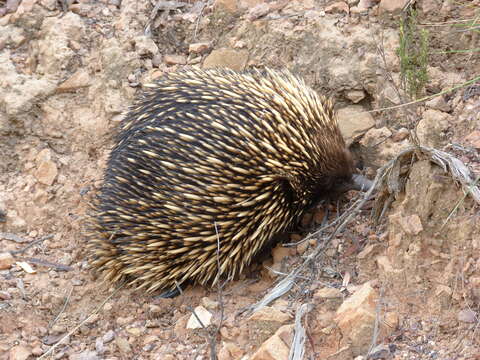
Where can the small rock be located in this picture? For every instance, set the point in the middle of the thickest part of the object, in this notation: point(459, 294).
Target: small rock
point(199, 48)
point(380, 351)
point(135, 331)
point(302, 247)
point(78, 80)
point(80, 9)
point(132, 78)
point(157, 60)
point(268, 313)
point(467, 315)
point(203, 314)
point(337, 7)
point(355, 96)
point(49, 4)
point(195, 60)
point(412, 225)
point(108, 336)
point(392, 6)
point(259, 11)
point(58, 329)
point(43, 155)
point(400, 134)
point(37, 351)
point(439, 103)
point(239, 44)
point(123, 345)
point(84, 355)
point(151, 323)
point(228, 5)
point(431, 129)
point(378, 146)
point(353, 122)
point(150, 339)
point(5, 295)
point(375, 136)
point(175, 59)
point(366, 252)
point(124, 320)
point(209, 304)
point(99, 345)
point(19, 352)
point(230, 351)
point(473, 139)
point(248, 4)
point(275, 347)
point(26, 267)
point(145, 46)
point(430, 6)
point(328, 293)
point(12, 5)
point(280, 252)
point(384, 264)
point(6, 261)
point(154, 309)
point(362, 6)
point(46, 172)
point(228, 58)
point(356, 318)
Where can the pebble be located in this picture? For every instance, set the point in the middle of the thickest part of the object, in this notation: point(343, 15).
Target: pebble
point(19, 352)
point(84, 355)
point(175, 59)
point(123, 345)
point(198, 48)
point(6, 261)
point(5, 295)
point(209, 304)
point(108, 336)
point(99, 345)
point(157, 60)
point(467, 316)
point(124, 320)
point(203, 314)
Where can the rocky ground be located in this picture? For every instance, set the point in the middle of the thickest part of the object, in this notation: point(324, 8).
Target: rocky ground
point(405, 288)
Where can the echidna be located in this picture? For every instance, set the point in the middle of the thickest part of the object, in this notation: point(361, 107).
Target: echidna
point(207, 153)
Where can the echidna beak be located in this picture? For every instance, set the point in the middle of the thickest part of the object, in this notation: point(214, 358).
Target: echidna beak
point(360, 183)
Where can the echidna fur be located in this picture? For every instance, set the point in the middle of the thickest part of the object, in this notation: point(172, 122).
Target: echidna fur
point(245, 153)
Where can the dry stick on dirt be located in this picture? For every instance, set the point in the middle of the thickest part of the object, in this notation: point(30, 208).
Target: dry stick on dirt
point(219, 290)
point(13, 237)
point(459, 202)
point(297, 350)
point(211, 336)
point(161, 5)
point(56, 266)
point(94, 312)
point(16, 252)
point(376, 326)
point(41, 262)
point(199, 18)
point(67, 300)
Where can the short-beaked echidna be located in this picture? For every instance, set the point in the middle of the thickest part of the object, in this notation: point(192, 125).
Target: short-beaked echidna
point(200, 150)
